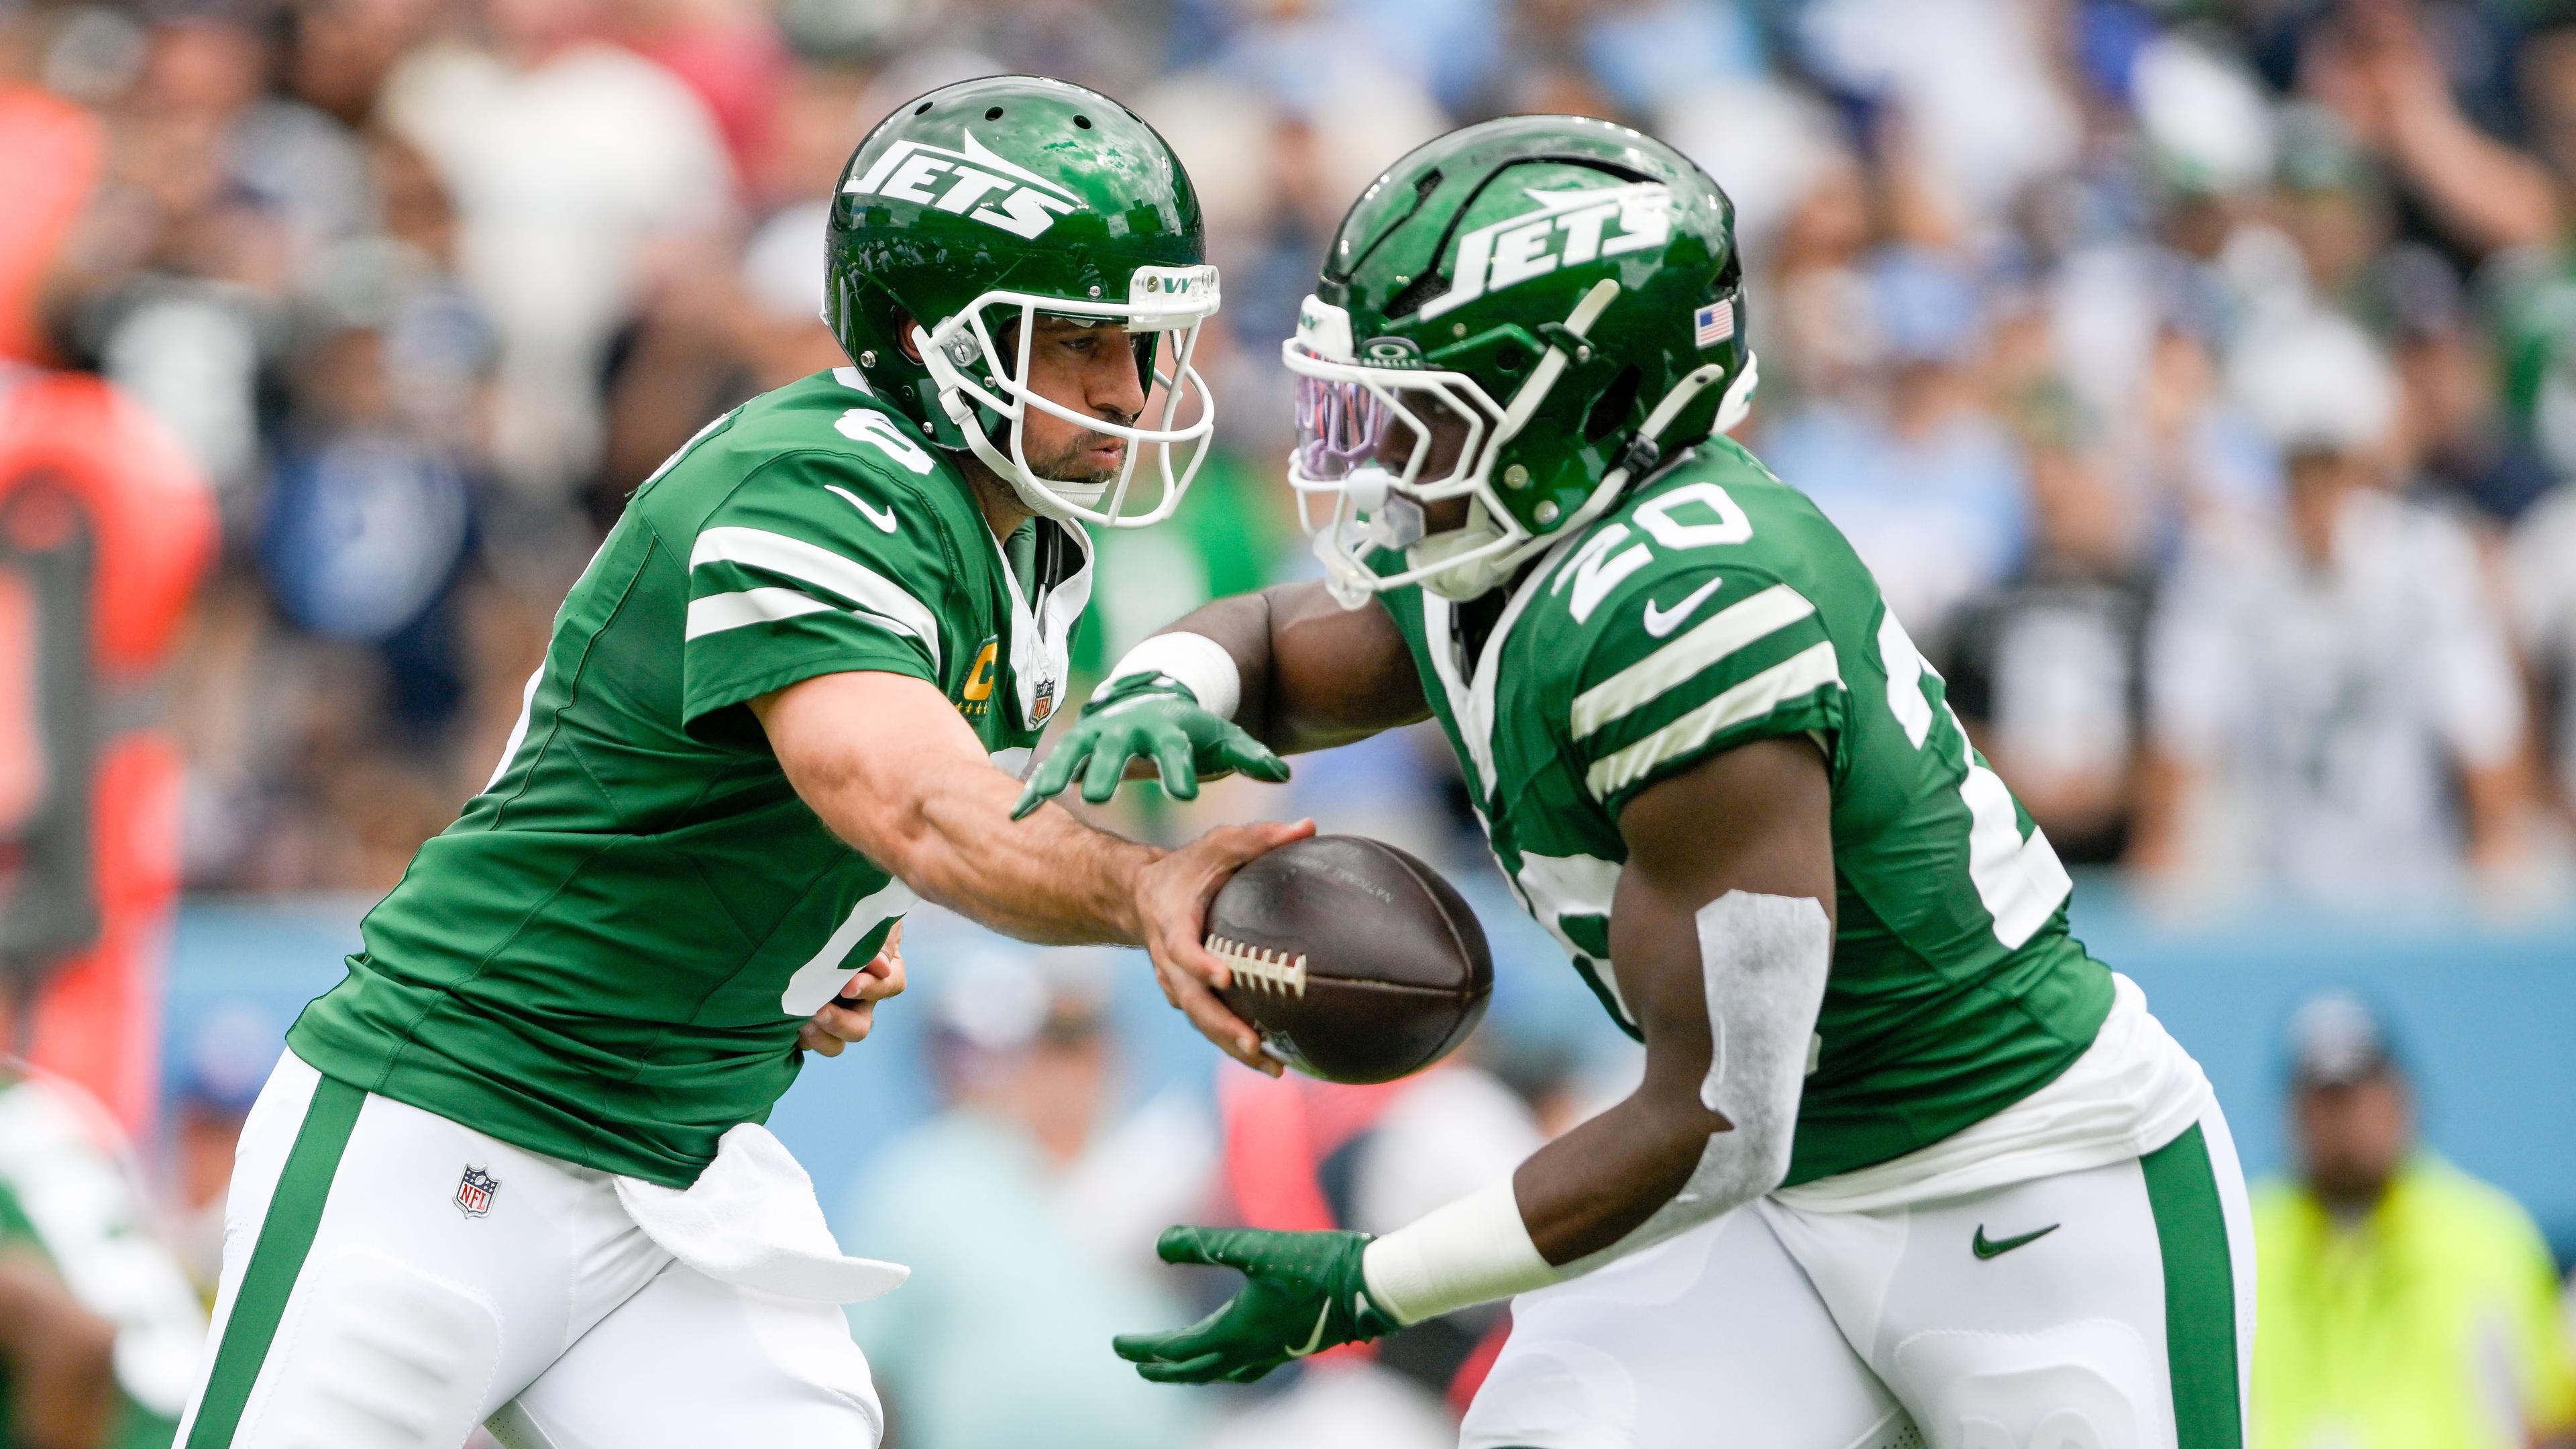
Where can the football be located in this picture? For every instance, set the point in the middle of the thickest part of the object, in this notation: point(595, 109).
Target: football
point(1355, 961)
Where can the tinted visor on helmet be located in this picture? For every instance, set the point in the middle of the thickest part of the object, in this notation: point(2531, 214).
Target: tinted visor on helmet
point(1415, 432)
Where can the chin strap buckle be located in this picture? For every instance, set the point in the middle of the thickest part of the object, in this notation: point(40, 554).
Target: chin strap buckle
point(1641, 456)
point(1566, 340)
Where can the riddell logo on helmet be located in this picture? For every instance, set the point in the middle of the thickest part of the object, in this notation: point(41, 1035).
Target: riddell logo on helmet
point(1568, 229)
point(972, 182)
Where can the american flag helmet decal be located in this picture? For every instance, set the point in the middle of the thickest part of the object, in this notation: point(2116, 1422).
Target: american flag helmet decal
point(1713, 324)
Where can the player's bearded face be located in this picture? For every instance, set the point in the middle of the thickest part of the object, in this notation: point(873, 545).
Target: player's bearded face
point(1091, 368)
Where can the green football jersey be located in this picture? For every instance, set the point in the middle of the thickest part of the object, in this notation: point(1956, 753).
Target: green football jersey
point(67, 1195)
point(1710, 607)
point(606, 958)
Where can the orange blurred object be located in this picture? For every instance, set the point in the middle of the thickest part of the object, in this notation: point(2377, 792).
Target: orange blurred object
point(76, 456)
point(51, 153)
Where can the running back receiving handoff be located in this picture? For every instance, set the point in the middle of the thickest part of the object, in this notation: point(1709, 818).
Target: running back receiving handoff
point(1907, 1164)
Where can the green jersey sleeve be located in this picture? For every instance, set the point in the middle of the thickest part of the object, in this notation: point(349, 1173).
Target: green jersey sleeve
point(1690, 658)
point(815, 565)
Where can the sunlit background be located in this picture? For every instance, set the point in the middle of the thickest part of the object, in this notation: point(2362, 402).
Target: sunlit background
point(2199, 378)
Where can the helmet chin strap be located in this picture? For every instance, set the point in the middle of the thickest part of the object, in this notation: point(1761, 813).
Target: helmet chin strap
point(1471, 577)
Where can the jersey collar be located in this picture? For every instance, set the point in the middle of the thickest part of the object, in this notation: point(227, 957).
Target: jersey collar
point(1471, 692)
point(1042, 637)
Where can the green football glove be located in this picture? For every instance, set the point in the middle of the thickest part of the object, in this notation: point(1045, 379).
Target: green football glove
point(1147, 717)
point(1303, 1293)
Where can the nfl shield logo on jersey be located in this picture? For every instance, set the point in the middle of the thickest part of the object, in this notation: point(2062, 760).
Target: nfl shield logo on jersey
point(474, 1192)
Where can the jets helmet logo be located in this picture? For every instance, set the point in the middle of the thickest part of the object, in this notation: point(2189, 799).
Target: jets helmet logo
point(1569, 228)
point(474, 1192)
point(971, 181)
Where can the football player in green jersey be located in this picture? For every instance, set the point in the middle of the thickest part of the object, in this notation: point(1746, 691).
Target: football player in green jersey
point(511, 1168)
point(1906, 1165)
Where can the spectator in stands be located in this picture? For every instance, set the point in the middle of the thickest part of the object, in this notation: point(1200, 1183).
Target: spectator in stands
point(2379, 66)
point(1909, 463)
point(567, 156)
point(371, 260)
point(2049, 672)
point(2462, 447)
point(1027, 1218)
point(2541, 562)
point(2401, 1303)
point(2349, 674)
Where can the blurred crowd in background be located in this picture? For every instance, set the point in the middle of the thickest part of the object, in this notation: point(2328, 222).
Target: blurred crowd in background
point(2199, 376)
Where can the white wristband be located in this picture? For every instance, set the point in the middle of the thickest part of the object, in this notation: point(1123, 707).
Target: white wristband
point(1196, 660)
point(1473, 1251)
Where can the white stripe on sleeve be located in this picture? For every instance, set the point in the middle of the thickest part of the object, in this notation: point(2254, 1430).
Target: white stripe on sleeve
point(1799, 674)
point(718, 612)
point(812, 564)
point(1716, 637)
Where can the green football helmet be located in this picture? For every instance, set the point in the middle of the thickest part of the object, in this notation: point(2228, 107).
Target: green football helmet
point(1531, 313)
point(972, 210)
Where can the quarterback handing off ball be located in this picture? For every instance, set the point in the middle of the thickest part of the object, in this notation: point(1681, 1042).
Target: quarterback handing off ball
point(1355, 961)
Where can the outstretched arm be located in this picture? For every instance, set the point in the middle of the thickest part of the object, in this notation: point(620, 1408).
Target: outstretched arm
point(1722, 940)
point(1313, 674)
point(1232, 686)
point(892, 768)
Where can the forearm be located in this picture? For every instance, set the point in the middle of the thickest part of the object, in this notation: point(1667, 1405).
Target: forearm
point(1713, 1135)
point(1623, 1181)
point(2486, 194)
point(1300, 671)
point(1707, 1131)
point(886, 762)
point(1589, 1190)
point(2493, 797)
point(1239, 625)
point(1049, 878)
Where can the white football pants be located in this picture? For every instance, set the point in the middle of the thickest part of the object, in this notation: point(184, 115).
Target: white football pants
point(364, 1306)
point(2111, 1308)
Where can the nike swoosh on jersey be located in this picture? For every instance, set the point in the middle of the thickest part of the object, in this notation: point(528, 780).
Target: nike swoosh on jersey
point(1984, 1249)
point(883, 518)
point(1660, 622)
point(1314, 1340)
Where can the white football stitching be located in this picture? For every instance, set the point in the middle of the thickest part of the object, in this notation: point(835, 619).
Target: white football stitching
point(1262, 969)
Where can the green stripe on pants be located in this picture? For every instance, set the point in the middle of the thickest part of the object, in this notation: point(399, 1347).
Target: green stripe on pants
point(285, 1236)
point(2200, 1293)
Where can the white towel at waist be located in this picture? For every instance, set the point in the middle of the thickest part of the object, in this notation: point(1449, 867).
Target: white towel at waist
point(751, 1220)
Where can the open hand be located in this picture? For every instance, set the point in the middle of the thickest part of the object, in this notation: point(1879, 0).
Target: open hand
point(1302, 1293)
point(1146, 717)
point(1172, 898)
